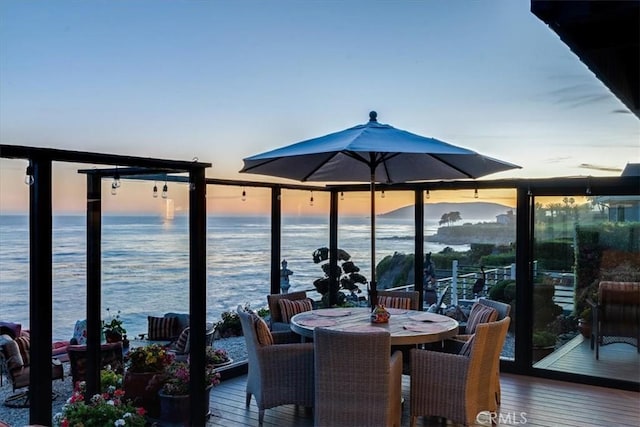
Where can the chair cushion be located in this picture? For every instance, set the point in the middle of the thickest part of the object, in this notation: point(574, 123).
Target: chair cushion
point(480, 314)
point(262, 330)
point(11, 352)
point(289, 308)
point(24, 345)
point(161, 328)
point(11, 329)
point(465, 350)
point(182, 344)
point(80, 332)
point(395, 302)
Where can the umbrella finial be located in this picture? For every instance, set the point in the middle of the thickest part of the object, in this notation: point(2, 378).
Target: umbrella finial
point(373, 116)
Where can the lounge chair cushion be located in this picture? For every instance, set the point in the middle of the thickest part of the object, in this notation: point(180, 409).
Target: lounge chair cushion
point(480, 314)
point(262, 330)
point(182, 344)
point(161, 328)
point(395, 302)
point(24, 345)
point(289, 308)
point(11, 329)
point(11, 352)
point(80, 332)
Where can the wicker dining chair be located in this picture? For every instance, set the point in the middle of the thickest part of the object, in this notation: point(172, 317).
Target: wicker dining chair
point(277, 322)
point(458, 386)
point(357, 382)
point(399, 299)
point(279, 373)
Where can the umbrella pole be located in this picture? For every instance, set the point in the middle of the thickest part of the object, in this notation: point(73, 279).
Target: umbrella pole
point(373, 292)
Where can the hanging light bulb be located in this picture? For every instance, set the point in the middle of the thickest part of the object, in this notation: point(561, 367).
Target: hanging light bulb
point(114, 188)
point(342, 195)
point(382, 195)
point(155, 190)
point(165, 190)
point(116, 179)
point(475, 193)
point(426, 194)
point(28, 178)
point(311, 199)
point(244, 195)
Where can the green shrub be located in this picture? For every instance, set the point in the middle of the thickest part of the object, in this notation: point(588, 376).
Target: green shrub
point(497, 291)
point(499, 259)
point(543, 339)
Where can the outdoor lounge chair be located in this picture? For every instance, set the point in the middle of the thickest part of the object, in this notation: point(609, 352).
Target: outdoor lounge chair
point(357, 382)
point(110, 354)
point(280, 367)
point(454, 386)
point(15, 357)
point(616, 316)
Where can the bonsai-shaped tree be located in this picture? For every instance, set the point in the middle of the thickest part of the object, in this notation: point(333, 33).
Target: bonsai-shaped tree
point(348, 274)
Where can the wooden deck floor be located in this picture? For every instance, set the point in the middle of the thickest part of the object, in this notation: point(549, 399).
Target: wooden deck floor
point(617, 361)
point(541, 402)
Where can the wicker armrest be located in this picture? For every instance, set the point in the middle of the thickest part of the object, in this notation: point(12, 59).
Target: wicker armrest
point(462, 338)
point(285, 337)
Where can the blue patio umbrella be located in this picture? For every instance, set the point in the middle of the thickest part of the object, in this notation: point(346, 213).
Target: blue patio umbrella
point(373, 152)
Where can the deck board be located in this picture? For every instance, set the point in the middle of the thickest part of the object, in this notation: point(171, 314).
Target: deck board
point(544, 402)
point(617, 361)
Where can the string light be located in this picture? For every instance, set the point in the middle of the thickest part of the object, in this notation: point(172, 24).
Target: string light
point(342, 195)
point(244, 194)
point(426, 194)
point(114, 188)
point(311, 199)
point(155, 190)
point(28, 178)
point(475, 193)
point(165, 189)
point(116, 179)
point(382, 195)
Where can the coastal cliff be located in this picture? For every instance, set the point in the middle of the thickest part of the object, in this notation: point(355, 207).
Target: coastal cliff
point(493, 233)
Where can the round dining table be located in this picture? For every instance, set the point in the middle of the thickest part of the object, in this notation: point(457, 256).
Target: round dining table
point(405, 326)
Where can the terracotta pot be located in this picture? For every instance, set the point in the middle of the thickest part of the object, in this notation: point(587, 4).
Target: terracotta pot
point(540, 353)
point(140, 388)
point(177, 409)
point(112, 336)
point(585, 328)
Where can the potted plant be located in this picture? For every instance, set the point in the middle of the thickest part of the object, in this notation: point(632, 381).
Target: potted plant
point(107, 408)
point(175, 400)
point(543, 344)
point(143, 364)
point(348, 277)
point(217, 357)
point(113, 329)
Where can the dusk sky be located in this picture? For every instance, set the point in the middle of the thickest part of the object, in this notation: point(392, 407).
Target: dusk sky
point(223, 80)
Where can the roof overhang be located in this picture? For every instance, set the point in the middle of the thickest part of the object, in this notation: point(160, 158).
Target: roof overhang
point(605, 35)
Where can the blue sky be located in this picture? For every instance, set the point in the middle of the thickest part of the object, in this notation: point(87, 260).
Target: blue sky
point(223, 80)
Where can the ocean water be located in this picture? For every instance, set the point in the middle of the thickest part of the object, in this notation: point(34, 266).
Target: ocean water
point(145, 263)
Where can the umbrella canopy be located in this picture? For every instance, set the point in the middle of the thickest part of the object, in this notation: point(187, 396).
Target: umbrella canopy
point(373, 152)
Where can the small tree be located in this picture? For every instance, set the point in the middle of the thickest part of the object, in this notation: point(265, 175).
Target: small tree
point(348, 274)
